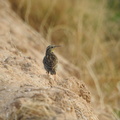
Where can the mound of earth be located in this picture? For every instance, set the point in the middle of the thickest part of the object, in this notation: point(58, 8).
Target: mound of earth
point(26, 92)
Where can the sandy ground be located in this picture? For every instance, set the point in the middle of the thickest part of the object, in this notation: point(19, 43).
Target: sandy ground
point(26, 92)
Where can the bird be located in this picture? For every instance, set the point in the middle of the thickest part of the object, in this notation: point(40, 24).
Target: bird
point(50, 60)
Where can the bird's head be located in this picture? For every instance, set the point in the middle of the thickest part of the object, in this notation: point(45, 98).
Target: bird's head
point(50, 48)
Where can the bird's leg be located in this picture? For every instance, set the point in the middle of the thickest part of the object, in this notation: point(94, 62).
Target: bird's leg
point(55, 77)
point(47, 74)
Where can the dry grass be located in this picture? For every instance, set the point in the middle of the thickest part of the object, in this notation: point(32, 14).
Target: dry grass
point(89, 32)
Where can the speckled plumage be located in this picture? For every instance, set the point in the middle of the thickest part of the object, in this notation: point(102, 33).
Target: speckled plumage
point(50, 60)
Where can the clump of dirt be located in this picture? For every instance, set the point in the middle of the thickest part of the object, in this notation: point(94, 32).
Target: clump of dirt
point(48, 104)
point(26, 92)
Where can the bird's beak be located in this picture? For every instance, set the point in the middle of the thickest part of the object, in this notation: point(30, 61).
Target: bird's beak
point(57, 46)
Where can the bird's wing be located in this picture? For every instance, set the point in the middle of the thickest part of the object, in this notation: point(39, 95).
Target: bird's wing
point(50, 61)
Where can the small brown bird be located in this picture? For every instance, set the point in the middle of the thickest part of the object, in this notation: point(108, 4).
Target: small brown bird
point(50, 60)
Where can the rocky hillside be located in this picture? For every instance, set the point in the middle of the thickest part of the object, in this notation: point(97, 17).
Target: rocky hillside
point(26, 92)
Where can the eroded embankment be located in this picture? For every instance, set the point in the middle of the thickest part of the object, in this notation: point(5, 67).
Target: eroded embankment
point(25, 90)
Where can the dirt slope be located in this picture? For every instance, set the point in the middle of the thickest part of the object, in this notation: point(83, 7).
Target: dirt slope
point(26, 92)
